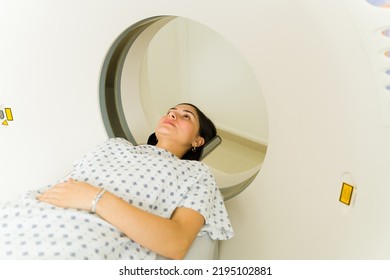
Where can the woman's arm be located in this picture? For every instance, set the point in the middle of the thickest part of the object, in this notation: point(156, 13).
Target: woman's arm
point(168, 237)
point(171, 238)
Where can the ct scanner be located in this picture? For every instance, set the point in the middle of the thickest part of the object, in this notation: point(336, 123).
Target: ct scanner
point(299, 90)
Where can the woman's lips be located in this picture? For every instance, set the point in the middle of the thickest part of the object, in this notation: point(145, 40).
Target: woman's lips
point(169, 122)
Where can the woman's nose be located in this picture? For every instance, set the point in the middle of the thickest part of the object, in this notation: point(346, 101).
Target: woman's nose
point(172, 115)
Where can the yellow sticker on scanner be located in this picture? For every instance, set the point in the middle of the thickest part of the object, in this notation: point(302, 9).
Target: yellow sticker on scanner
point(346, 194)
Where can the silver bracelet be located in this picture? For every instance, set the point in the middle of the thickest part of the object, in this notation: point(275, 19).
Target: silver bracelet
point(96, 199)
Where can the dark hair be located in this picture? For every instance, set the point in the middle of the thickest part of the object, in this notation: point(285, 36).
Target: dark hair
point(207, 130)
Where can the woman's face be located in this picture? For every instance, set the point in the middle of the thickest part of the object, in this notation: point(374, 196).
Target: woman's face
point(180, 124)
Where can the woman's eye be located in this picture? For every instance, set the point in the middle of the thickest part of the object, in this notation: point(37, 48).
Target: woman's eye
point(186, 116)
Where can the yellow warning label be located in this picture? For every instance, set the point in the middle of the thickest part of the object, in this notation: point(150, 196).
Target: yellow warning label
point(8, 114)
point(346, 194)
point(5, 115)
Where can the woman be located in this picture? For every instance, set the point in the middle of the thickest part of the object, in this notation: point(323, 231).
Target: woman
point(145, 200)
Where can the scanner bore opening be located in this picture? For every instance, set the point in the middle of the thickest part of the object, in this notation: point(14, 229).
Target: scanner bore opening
point(111, 98)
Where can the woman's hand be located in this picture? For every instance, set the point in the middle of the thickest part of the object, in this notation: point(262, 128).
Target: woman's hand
point(70, 194)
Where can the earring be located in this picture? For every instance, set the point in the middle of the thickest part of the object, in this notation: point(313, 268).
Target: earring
point(193, 149)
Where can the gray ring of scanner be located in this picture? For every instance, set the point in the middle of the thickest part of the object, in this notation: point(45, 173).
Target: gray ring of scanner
point(110, 93)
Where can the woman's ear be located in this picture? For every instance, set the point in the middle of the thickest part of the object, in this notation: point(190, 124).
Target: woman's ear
point(198, 142)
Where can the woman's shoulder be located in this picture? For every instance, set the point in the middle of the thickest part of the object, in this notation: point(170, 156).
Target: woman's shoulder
point(118, 141)
point(196, 166)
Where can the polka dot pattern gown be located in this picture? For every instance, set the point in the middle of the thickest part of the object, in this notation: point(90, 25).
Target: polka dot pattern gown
point(146, 176)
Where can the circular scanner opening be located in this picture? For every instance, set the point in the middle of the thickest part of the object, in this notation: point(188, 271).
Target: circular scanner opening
point(164, 60)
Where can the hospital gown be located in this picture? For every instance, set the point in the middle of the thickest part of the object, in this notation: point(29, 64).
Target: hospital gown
point(146, 176)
